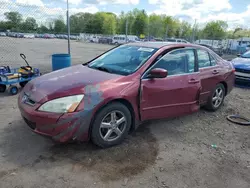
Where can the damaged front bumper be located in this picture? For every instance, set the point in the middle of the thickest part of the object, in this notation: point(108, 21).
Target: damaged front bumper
point(60, 127)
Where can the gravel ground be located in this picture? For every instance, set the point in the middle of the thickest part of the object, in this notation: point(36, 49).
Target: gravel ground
point(175, 153)
point(39, 51)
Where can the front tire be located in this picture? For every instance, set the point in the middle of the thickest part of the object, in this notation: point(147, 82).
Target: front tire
point(216, 98)
point(111, 125)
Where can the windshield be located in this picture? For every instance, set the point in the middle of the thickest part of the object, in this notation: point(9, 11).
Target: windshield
point(246, 55)
point(123, 60)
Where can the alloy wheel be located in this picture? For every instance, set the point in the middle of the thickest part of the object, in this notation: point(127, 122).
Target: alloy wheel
point(113, 126)
point(218, 97)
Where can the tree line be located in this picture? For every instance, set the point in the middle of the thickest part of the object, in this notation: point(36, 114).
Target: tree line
point(136, 22)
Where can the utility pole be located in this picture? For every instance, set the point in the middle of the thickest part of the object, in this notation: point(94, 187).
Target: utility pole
point(126, 30)
point(68, 27)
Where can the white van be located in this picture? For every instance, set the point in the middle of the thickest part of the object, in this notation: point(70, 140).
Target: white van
point(94, 39)
point(121, 39)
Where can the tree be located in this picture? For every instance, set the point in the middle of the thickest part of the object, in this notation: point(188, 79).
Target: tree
point(121, 23)
point(140, 22)
point(185, 30)
point(156, 25)
point(59, 26)
point(5, 26)
point(30, 24)
point(170, 26)
point(215, 30)
point(42, 29)
point(75, 23)
point(95, 23)
point(15, 18)
point(109, 24)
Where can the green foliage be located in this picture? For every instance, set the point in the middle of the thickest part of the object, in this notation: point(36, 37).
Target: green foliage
point(29, 24)
point(238, 32)
point(139, 22)
point(160, 26)
point(59, 26)
point(14, 18)
point(109, 24)
point(42, 29)
point(215, 30)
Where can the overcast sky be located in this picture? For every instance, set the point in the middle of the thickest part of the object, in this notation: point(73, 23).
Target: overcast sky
point(235, 12)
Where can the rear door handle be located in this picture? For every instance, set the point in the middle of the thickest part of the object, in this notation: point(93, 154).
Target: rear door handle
point(215, 72)
point(193, 81)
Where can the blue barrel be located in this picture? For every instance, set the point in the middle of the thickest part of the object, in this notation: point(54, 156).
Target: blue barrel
point(60, 61)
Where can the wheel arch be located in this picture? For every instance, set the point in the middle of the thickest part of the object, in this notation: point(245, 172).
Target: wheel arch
point(225, 86)
point(119, 100)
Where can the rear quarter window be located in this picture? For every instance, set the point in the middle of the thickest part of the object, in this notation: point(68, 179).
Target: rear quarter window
point(203, 58)
point(213, 61)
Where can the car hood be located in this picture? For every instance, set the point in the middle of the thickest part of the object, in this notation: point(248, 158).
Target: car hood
point(241, 63)
point(65, 82)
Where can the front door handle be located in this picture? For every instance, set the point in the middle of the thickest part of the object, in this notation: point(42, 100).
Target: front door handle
point(193, 81)
point(215, 72)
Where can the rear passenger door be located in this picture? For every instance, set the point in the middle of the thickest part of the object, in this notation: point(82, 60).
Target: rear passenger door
point(209, 73)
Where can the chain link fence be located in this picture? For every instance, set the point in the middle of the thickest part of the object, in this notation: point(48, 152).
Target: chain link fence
point(40, 31)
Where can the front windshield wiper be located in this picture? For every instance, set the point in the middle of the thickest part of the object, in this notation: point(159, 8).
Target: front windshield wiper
point(102, 69)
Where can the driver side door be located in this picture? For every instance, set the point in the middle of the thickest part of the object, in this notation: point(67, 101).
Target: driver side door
point(175, 95)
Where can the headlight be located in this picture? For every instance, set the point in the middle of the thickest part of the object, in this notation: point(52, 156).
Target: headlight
point(62, 105)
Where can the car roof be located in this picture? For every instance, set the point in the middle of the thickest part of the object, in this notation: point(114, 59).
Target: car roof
point(160, 44)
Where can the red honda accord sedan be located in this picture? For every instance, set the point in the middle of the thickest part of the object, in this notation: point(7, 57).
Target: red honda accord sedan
point(109, 96)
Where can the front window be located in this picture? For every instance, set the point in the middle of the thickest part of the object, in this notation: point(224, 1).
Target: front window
point(123, 60)
point(177, 62)
point(246, 55)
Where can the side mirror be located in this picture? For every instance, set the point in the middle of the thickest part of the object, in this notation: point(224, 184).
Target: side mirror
point(157, 73)
point(238, 55)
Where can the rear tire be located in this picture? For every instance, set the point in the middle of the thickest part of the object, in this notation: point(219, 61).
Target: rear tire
point(103, 127)
point(216, 98)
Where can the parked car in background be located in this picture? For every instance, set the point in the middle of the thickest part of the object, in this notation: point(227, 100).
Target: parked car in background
point(73, 37)
point(242, 67)
point(29, 36)
point(2, 34)
point(109, 96)
point(94, 39)
point(176, 40)
point(121, 39)
point(19, 35)
point(218, 50)
point(158, 39)
point(49, 36)
point(105, 40)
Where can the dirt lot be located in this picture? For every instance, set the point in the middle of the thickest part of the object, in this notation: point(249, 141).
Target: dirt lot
point(174, 153)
